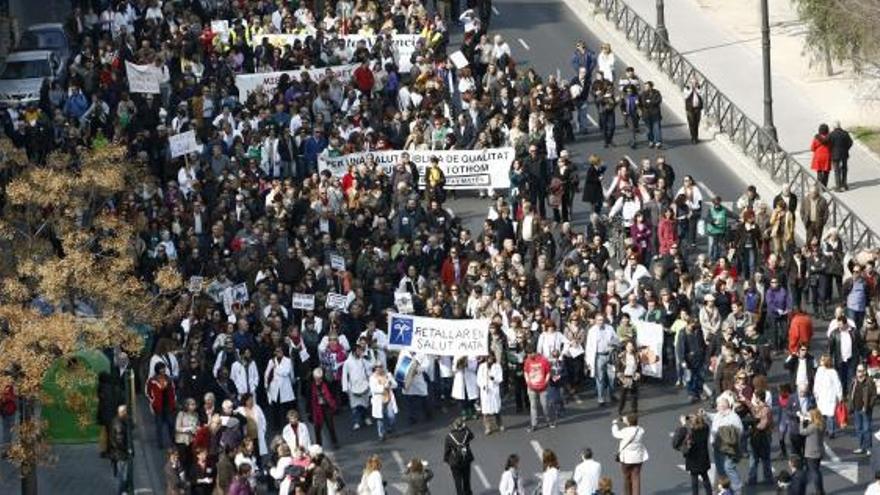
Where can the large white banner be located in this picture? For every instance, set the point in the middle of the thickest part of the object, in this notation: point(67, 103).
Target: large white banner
point(183, 143)
point(649, 340)
point(438, 336)
point(142, 78)
point(464, 169)
point(246, 83)
point(402, 45)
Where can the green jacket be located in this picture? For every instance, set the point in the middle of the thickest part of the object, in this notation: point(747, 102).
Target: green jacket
point(716, 221)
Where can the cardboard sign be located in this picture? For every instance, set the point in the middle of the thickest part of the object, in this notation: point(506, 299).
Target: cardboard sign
point(337, 261)
point(183, 143)
point(235, 294)
point(336, 301)
point(459, 60)
point(404, 302)
point(142, 78)
point(303, 301)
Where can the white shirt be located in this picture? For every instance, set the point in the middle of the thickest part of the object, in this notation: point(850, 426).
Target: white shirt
point(587, 475)
point(550, 482)
point(511, 483)
point(302, 439)
point(873, 489)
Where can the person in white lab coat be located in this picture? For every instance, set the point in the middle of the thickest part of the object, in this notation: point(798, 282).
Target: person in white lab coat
point(587, 473)
point(356, 383)
point(382, 401)
point(464, 385)
point(511, 483)
point(489, 379)
point(371, 479)
point(415, 393)
point(278, 380)
point(245, 375)
point(296, 433)
point(256, 421)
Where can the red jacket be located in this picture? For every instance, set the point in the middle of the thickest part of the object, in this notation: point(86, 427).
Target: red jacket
point(800, 331)
point(364, 79)
point(161, 398)
point(317, 411)
point(821, 154)
point(536, 370)
point(667, 234)
point(447, 271)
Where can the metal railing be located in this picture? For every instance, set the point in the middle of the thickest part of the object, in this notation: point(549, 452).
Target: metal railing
point(748, 135)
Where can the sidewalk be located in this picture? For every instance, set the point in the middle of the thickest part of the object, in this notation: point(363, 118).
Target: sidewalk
point(703, 31)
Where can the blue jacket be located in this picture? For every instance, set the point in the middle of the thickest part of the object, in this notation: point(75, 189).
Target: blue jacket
point(586, 59)
point(313, 147)
point(76, 106)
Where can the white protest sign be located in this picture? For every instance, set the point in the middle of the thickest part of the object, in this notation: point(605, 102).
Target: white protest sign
point(215, 289)
point(402, 45)
point(404, 302)
point(464, 169)
point(142, 78)
point(195, 283)
point(438, 336)
point(247, 83)
point(337, 261)
point(459, 60)
point(649, 341)
point(221, 29)
point(336, 301)
point(303, 301)
point(183, 143)
point(235, 294)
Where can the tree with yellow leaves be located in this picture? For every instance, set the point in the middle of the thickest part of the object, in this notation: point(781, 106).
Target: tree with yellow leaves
point(64, 245)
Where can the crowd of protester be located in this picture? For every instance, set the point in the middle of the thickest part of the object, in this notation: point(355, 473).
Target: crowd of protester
point(246, 395)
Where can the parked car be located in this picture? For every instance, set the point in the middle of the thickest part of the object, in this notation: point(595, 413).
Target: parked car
point(46, 36)
point(24, 73)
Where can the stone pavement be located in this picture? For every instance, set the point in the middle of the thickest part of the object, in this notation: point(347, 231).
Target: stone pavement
point(731, 58)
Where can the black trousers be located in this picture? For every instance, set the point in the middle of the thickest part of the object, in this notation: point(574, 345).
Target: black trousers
point(695, 483)
point(840, 170)
point(629, 400)
point(693, 117)
point(461, 476)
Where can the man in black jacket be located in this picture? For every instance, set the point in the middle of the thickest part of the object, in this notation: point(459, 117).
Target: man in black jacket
point(693, 105)
point(649, 107)
point(119, 450)
point(841, 142)
point(538, 176)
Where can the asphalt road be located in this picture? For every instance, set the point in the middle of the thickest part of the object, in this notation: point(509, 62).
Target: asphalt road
point(541, 34)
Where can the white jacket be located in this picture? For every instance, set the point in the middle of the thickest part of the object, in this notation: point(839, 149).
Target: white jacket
point(828, 390)
point(279, 380)
point(489, 380)
point(302, 439)
point(377, 401)
point(632, 449)
point(464, 381)
point(245, 379)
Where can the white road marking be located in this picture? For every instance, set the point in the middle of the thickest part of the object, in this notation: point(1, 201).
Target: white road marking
point(706, 188)
point(495, 11)
point(539, 451)
point(523, 43)
point(830, 453)
point(592, 120)
point(399, 460)
point(138, 491)
point(400, 487)
point(482, 476)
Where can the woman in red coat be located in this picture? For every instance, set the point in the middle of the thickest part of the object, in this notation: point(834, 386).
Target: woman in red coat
point(323, 407)
point(821, 147)
point(667, 232)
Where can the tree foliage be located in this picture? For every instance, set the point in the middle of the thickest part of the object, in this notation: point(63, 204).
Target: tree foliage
point(846, 30)
point(65, 246)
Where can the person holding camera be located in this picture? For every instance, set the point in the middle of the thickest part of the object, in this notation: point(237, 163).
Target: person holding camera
point(812, 429)
point(691, 438)
point(417, 476)
point(631, 453)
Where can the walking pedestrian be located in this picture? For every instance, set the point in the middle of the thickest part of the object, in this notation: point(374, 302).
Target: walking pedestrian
point(649, 107)
point(160, 393)
point(760, 436)
point(631, 452)
point(691, 438)
point(601, 342)
point(629, 374)
point(489, 379)
point(382, 401)
point(726, 433)
point(812, 429)
point(841, 142)
point(458, 455)
point(821, 148)
point(862, 397)
point(119, 450)
point(322, 405)
point(693, 105)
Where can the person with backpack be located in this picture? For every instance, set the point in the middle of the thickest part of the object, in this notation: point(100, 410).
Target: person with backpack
point(458, 455)
point(692, 440)
point(726, 431)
